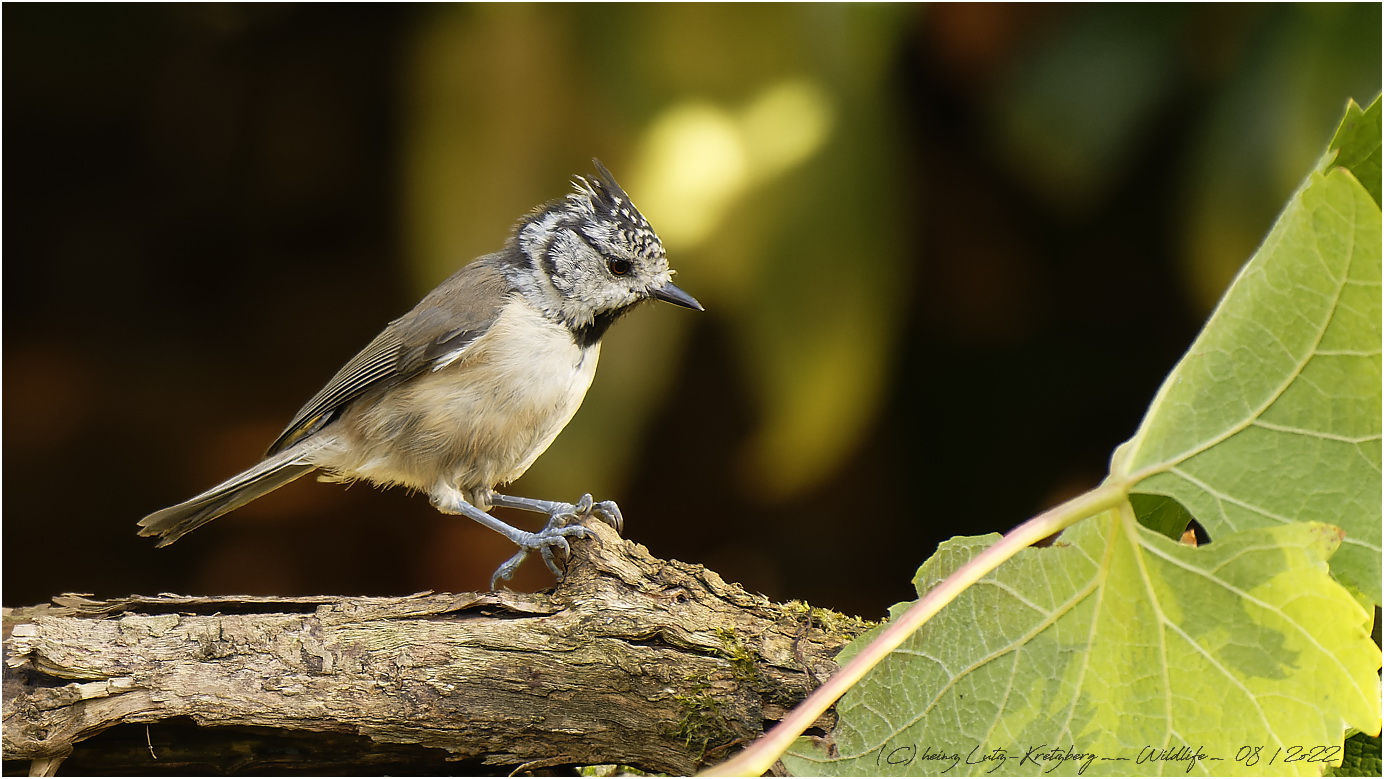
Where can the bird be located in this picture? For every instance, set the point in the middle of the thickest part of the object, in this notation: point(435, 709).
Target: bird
point(461, 395)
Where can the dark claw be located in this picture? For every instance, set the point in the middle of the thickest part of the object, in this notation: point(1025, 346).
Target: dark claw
point(584, 504)
point(609, 513)
point(605, 510)
point(550, 560)
point(506, 570)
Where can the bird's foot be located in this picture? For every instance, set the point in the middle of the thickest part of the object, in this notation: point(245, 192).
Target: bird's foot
point(562, 519)
point(544, 542)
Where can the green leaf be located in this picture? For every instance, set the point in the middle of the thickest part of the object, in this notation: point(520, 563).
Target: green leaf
point(1362, 757)
point(1357, 144)
point(1142, 655)
point(1273, 415)
point(1116, 643)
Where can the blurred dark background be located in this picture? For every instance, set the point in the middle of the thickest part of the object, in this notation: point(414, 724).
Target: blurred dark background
point(947, 254)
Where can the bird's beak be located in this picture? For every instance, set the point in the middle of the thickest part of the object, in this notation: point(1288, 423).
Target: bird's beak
point(670, 293)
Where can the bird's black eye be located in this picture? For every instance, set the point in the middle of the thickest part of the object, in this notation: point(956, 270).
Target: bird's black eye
point(619, 267)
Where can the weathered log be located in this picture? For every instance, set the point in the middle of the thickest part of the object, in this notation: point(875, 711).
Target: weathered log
point(632, 660)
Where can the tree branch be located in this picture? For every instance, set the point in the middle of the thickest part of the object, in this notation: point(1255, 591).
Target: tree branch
point(631, 660)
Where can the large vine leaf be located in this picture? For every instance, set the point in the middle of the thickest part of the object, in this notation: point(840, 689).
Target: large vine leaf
point(1120, 651)
point(1273, 415)
point(1113, 644)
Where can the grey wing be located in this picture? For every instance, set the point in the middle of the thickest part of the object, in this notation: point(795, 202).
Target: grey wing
point(376, 365)
point(443, 324)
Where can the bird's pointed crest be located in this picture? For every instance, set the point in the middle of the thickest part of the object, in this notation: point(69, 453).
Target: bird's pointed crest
point(613, 217)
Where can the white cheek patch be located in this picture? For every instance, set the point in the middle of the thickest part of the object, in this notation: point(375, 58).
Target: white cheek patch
point(531, 238)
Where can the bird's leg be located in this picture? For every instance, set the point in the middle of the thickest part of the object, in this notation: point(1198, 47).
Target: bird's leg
point(450, 500)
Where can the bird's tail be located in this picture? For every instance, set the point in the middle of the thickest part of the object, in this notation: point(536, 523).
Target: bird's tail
point(174, 522)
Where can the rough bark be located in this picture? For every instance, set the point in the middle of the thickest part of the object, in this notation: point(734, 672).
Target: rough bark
point(631, 660)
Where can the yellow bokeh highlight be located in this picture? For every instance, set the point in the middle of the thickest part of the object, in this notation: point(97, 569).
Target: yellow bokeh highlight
point(697, 158)
point(785, 125)
point(692, 165)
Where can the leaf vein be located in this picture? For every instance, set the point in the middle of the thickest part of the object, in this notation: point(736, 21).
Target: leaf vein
point(1314, 433)
point(1222, 497)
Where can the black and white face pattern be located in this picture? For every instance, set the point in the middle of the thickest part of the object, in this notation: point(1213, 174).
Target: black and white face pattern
point(595, 254)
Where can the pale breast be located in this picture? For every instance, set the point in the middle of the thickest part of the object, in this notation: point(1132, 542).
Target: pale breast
point(478, 422)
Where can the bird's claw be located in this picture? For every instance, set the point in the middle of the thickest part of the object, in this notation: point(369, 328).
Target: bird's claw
point(609, 513)
point(604, 510)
